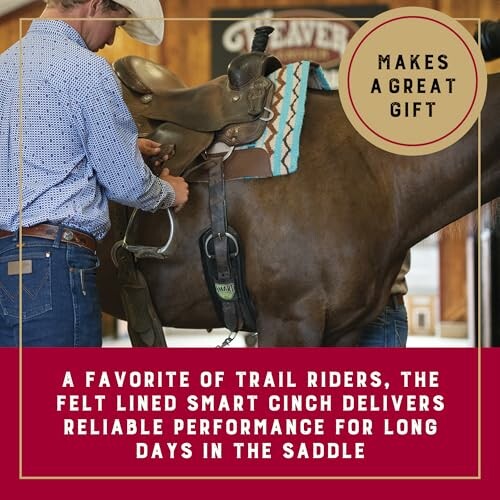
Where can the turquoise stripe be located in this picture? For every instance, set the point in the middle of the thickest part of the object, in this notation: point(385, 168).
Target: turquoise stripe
point(276, 165)
point(299, 118)
point(322, 77)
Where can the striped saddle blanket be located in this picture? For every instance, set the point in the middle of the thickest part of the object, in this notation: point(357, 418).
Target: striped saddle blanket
point(281, 137)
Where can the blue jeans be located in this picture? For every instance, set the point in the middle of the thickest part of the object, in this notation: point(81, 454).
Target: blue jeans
point(60, 303)
point(389, 329)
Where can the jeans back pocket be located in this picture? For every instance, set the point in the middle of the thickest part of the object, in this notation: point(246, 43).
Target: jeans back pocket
point(36, 285)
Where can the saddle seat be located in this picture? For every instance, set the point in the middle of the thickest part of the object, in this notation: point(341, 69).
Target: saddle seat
point(226, 109)
point(146, 77)
point(236, 98)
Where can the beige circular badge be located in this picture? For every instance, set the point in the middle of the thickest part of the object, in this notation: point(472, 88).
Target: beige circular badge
point(412, 81)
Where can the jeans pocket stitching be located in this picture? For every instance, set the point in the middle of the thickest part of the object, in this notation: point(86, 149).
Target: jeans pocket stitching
point(34, 292)
point(7, 293)
point(10, 306)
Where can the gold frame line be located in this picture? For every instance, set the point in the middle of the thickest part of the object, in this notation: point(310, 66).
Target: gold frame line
point(293, 478)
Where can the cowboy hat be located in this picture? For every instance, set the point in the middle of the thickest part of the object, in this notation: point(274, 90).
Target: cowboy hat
point(149, 26)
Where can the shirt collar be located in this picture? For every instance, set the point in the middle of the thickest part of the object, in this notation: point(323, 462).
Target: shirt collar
point(58, 28)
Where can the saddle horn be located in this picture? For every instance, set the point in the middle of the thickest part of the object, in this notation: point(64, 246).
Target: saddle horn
point(261, 37)
point(250, 66)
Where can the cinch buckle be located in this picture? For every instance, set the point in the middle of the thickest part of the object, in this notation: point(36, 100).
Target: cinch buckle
point(219, 235)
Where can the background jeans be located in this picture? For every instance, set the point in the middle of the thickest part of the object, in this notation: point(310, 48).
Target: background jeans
point(60, 303)
point(389, 329)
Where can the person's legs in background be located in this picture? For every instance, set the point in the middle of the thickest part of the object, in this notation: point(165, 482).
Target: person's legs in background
point(389, 329)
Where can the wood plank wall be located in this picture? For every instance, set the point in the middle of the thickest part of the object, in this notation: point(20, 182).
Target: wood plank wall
point(9, 24)
point(187, 46)
point(186, 50)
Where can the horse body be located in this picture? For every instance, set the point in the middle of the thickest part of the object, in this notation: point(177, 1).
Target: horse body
point(324, 245)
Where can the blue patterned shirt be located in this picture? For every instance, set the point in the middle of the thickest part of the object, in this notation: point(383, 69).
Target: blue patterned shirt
point(79, 141)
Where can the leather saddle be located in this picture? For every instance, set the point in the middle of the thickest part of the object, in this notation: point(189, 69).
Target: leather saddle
point(230, 109)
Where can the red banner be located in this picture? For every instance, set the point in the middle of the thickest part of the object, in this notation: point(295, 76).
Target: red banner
point(200, 416)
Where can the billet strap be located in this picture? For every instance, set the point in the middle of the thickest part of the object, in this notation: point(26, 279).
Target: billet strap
point(225, 280)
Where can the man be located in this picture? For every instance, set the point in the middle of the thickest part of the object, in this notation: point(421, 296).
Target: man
point(77, 147)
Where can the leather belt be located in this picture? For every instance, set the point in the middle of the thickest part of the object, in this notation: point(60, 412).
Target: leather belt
point(395, 300)
point(50, 232)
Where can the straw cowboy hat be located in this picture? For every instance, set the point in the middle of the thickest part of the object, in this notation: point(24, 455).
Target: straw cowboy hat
point(149, 26)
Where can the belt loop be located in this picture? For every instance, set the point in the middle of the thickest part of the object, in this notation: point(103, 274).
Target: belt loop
point(57, 239)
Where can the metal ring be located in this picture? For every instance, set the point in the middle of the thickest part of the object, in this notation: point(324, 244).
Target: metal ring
point(270, 117)
point(231, 237)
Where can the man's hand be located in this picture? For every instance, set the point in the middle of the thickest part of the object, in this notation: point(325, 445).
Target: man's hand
point(180, 187)
point(147, 147)
point(154, 154)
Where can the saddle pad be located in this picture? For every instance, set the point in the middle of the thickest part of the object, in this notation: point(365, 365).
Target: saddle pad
point(281, 137)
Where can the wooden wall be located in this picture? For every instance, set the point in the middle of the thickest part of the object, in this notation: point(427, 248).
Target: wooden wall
point(186, 50)
point(9, 24)
point(187, 45)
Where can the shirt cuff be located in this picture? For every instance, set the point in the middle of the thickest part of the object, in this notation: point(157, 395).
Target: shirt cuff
point(167, 195)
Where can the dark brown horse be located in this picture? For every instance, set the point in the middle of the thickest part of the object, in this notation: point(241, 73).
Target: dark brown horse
point(323, 245)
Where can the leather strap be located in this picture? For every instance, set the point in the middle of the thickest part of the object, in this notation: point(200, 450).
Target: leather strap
point(144, 326)
point(217, 203)
point(50, 232)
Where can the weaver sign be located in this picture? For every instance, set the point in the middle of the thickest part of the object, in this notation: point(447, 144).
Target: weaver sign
point(312, 34)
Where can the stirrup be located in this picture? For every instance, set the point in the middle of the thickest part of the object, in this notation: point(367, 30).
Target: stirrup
point(141, 251)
